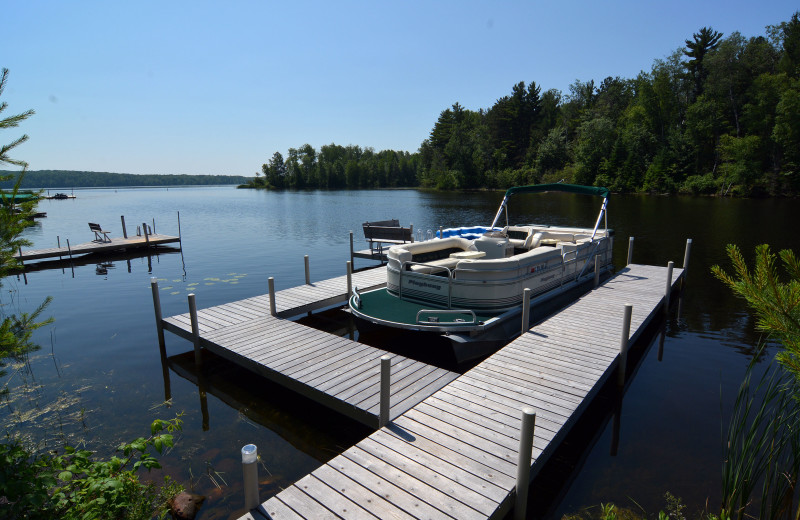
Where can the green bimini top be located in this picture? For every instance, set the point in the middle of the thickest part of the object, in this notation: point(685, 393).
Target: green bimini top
point(568, 188)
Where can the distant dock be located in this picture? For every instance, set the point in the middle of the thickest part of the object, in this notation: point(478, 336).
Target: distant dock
point(114, 244)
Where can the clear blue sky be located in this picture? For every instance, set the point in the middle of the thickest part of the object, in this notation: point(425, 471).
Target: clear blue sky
point(217, 87)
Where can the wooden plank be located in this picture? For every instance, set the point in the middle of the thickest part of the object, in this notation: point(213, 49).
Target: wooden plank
point(414, 486)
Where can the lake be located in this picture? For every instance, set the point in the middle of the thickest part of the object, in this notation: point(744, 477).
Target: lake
point(98, 378)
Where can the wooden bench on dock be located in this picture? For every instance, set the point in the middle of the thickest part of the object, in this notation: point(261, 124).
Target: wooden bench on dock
point(385, 232)
point(98, 231)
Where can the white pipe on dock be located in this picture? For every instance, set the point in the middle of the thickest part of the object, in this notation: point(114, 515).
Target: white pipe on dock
point(624, 343)
point(157, 308)
point(351, 248)
point(271, 285)
point(198, 360)
point(349, 279)
point(630, 251)
point(670, 267)
point(386, 375)
point(526, 310)
point(524, 462)
point(686, 258)
point(596, 271)
point(250, 473)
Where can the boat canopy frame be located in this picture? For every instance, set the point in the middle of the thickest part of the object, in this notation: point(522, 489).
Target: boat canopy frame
point(565, 188)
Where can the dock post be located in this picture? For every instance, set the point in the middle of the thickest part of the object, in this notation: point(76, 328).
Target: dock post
point(411, 227)
point(20, 256)
point(308, 271)
point(440, 232)
point(351, 248)
point(349, 279)
point(271, 284)
point(250, 473)
point(524, 462)
point(386, 376)
point(526, 310)
point(623, 345)
point(180, 240)
point(670, 266)
point(596, 271)
point(630, 251)
point(686, 258)
point(58, 241)
point(146, 237)
point(153, 230)
point(69, 250)
point(195, 330)
point(124, 231)
point(157, 308)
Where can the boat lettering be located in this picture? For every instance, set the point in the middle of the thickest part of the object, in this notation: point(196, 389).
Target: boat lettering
point(411, 281)
point(537, 268)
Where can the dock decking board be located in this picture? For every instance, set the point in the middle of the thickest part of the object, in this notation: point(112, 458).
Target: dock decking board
point(445, 455)
point(116, 243)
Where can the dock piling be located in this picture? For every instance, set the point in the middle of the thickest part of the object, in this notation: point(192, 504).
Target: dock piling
point(524, 462)
point(195, 330)
point(250, 474)
point(157, 307)
point(623, 345)
point(630, 251)
point(411, 227)
point(308, 271)
point(386, 375)
point(670, 266)
point(349, 279)
point(271, 284)
point(686, 258)
point(351, 248)
point(124, 231)
point(146, 235)
point(526, 310)
point(596, 271)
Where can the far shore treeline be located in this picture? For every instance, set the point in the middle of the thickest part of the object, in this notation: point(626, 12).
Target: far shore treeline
point(65, 179)
point(720, 115)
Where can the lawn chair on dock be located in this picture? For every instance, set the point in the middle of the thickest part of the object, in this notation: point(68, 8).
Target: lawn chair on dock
point(99, 234)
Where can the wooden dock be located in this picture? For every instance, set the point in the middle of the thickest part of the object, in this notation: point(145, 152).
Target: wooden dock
point(339, 373)
point(114, 244)
point(454, 455)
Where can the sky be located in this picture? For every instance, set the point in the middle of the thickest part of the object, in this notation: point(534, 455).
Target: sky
point(203, 87)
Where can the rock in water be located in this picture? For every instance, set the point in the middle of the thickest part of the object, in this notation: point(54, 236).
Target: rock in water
point(184, 506)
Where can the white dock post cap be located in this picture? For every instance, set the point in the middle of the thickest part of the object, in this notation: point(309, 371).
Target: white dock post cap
point(249, 453)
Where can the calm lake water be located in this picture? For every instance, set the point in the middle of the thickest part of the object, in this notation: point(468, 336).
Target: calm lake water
point(98, 378)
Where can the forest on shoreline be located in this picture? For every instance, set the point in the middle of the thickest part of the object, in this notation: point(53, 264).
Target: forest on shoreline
point(720, 115)
point(65, 179)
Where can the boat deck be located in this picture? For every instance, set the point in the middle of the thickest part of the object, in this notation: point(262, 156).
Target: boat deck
point(453, 456)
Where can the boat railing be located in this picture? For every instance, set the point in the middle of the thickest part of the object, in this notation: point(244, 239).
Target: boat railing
point(433, 315)
point(405, 265)
point(596, 246)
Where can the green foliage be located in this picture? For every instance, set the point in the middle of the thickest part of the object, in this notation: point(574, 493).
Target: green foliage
point(73, 485)
point(775, 302)
point(762, 447)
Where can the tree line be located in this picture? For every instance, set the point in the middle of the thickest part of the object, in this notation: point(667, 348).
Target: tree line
point(76, 179)
point(720, 115)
